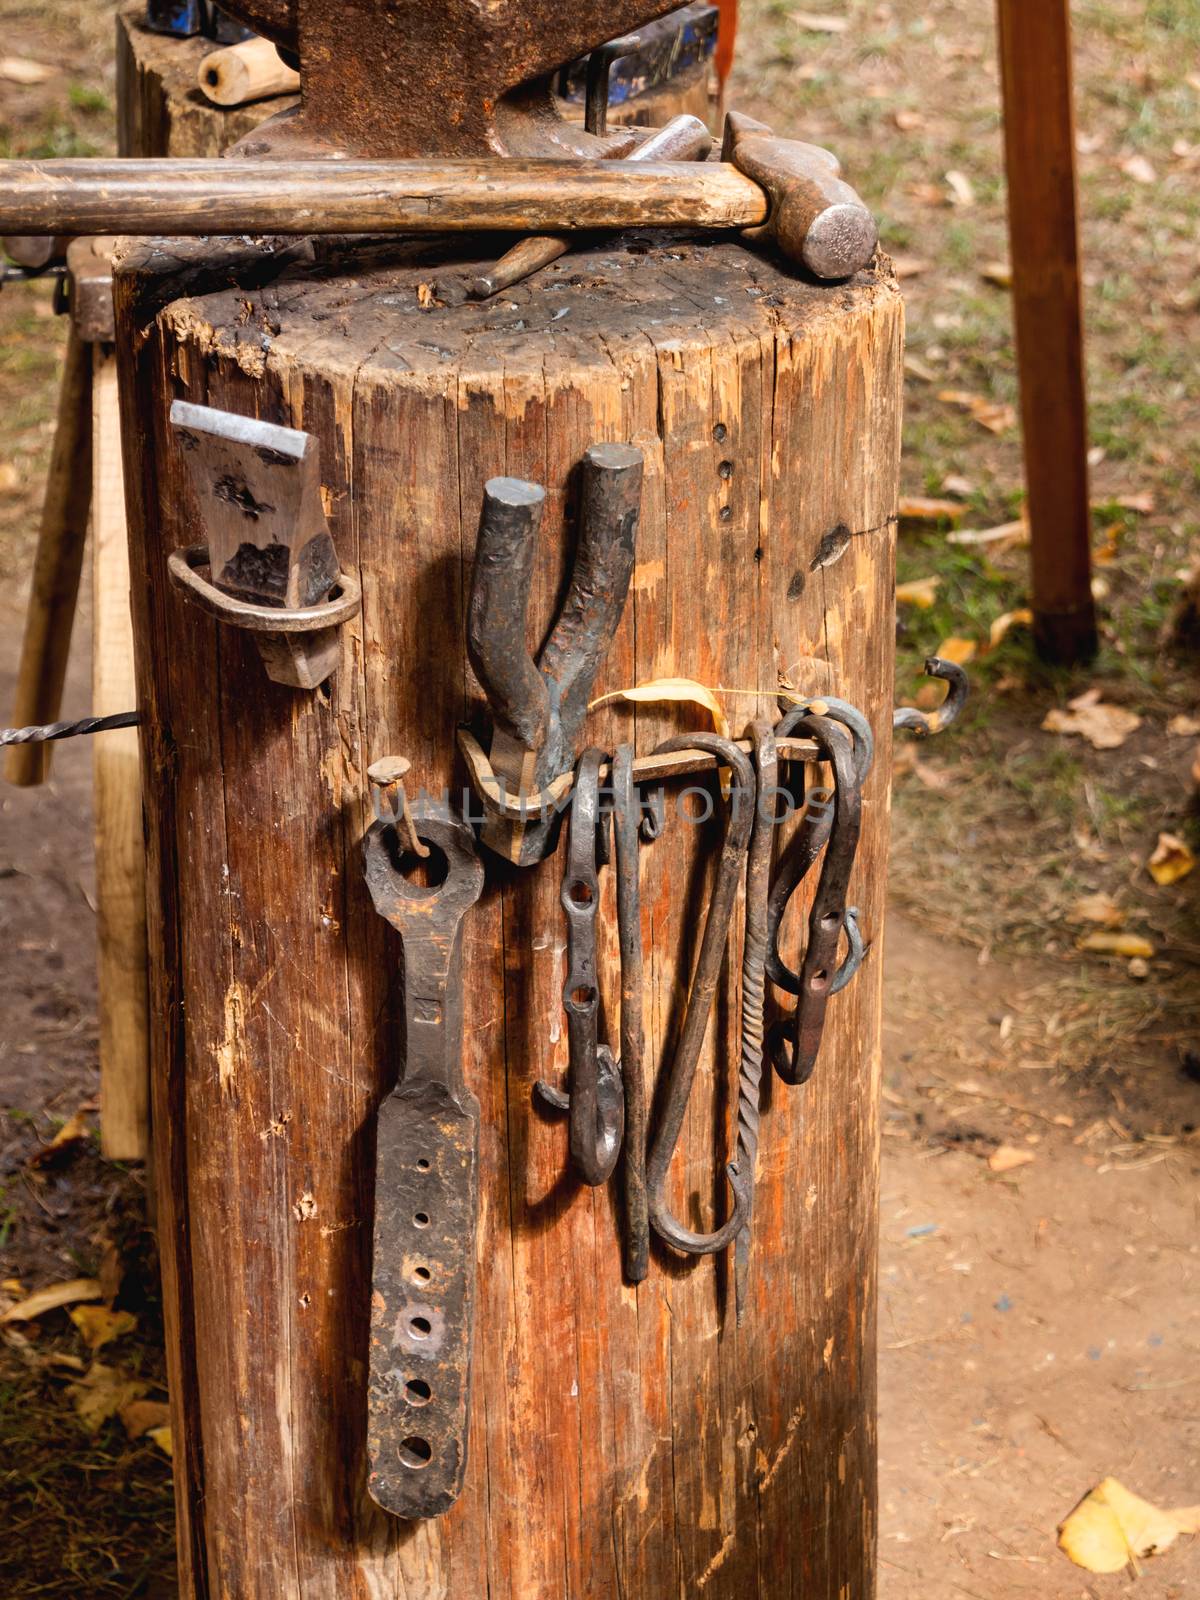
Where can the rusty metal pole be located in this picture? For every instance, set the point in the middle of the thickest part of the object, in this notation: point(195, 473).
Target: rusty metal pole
point(1039, 137)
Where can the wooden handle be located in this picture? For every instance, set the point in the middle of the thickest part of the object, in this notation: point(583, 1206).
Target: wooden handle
point(56, 567)
point(252, 70)
point(201, 198)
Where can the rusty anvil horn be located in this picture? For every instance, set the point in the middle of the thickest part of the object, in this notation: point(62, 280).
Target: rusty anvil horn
point(434, 77)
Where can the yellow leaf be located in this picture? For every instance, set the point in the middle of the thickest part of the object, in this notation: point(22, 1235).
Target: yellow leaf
point(1105, 727)
point(1171, 860)
point(998, 273)
point(102, 1393)
point(20, 69)
point(99, 1325)
point(1183, 727)
point(658, 691)
point(1021, 618)
point(73, 1131)
point(920, 592)
point(1117, 944)
point(1006, 1157)
point(51, 1297)
point(921, 508)
point(162, 1438)
point(1111, 1528)
point(139, 1416)
point(998, 538)
point(957, 650)
point(1098, 908)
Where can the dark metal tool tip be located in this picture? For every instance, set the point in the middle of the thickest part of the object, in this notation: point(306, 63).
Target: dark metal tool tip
point(514, 492)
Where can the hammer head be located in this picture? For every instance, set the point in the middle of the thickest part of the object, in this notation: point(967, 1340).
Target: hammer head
point(396, 78)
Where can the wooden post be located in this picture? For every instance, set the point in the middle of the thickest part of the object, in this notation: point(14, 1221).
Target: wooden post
point(1039, 137)
point(624, 1442)
point(117, 798)
point(57, 565)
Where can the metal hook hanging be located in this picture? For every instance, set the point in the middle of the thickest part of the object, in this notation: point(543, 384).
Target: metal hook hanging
point(595, 1099)
point(926, 723)
point(700, 998)
point(754, 953)
point(626, 832)
point(794, 1045)
point(806, 847)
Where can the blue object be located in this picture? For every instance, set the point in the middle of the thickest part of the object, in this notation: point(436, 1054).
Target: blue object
point(183, 18)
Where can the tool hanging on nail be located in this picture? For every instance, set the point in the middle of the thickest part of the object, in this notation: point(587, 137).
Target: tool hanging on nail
point(681, 1072)
point(594, 1098)
point(632, 825)
point(834, 829)
point(754, 957)
point(538, 708)
point(426, 1174)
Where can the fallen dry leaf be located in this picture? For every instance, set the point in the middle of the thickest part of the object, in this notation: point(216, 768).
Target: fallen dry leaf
point(958, 650)
point(1112, 1528)
point(993, 415)
point(1098, 908)
point(962, 190)
point(1007, 1157)
point(1183, 726)
point(923, 508)
point(54, 1295)
point(1172, 860)
point(907, 120)
point(1006, 535)
point(997, 273)
point(1143, 504)
point(139, 1416)
point(928, 194)
point(1105, 727)
point(162, 1438)
point(74, 1131)
point(9, 476)
point(102, 1392)
point(955, 483)
point(910, 266)
point(1021, 618)
point(819, 22)
point(1138, 168)
point(659, 690)
point(920, 592)
point(20, 69)
point(1117, 944)
point(99, 1326)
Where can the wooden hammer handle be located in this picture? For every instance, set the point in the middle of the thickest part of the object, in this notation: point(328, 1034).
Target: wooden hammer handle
point(252, 70)
point(56, 567)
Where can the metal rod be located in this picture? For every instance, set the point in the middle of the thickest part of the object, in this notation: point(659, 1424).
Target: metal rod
point(202, 198)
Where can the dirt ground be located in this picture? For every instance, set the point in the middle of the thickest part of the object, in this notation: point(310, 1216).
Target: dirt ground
point(1039, 1327)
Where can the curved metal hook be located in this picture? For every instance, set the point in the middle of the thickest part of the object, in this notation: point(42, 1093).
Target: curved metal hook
point(794, 1045)
point(682, 1073)
point(807, 846)
point(926, 723)
point(595, 1100)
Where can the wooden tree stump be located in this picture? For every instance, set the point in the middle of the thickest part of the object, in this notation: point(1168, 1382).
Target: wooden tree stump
point(624, 1442)
point(160, 109)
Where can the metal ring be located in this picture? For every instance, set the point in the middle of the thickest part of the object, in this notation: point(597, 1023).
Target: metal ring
point(183, 570)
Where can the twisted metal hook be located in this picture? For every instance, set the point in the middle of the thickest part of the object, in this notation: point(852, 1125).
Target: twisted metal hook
point(754, 955)
point(924, 724)
point(682, 1073)
point(595, 1099)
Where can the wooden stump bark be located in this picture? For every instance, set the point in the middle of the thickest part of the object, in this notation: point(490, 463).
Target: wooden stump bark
point(624, 1442)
